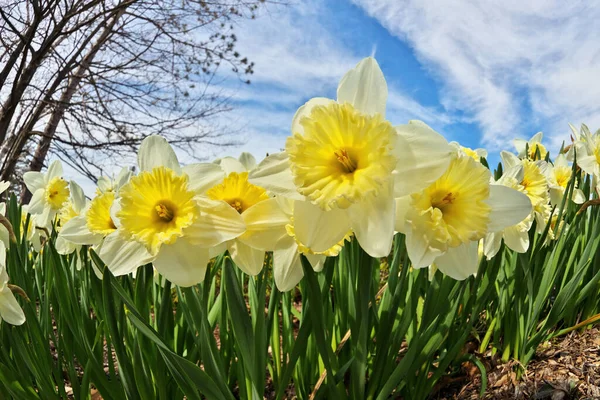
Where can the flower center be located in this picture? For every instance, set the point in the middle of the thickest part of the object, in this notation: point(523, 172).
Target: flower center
point(57, 193)
point(156, 206)
point(341, 156)
point(453, 210)
point(236, 191)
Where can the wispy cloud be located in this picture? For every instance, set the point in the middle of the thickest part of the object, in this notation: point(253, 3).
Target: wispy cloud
point(512, 64)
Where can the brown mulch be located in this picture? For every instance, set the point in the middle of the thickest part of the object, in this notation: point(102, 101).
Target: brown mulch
point(568, 368)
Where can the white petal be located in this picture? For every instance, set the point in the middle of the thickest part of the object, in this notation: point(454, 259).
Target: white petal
point(509, 159)
point(509, 207)
point(5, 185)
point(77, 196)
point(423, 156)
point(265, 225)
point(588, 164)
point(54, 170)
point(123, 177)
point(521, 146)
point(373, 221)
point(537, 138)
point(155, 151)
point(556, 195)
point(304, 111)
point(4, 241)
point(104, 184)
point(317, 261)
point(459, 262)
point(123, 257)
point(182, 263)
point(217, 250)
point(10, 310)
point(77, 231)
point(248, 161)
point(516, 240)
point(317, 229)
point(247, 259)
point(364, 87)
point(217, 224)
point(203, 176)
point(230, 164)
point(34, 180)
point(36, 204)
point(402, 207)
point(420, 253)
point(578, 196)
point(491, 244)
point(63, 246)
point(287, 267)
point(274, 174)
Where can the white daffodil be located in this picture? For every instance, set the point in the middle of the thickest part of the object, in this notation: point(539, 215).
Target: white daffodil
point(528, 149)
point(461, 151)
point(49, 193)
point(349, 162)
point(4, 232)
point(444, 222)
point(10, 310)
point(535, 185)
point(587, 150)
point(159, 217)
point(559, 175)
point(516, 237)
point(71, 209)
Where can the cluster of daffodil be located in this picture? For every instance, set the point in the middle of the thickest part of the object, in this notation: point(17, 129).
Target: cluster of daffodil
point(346, 171)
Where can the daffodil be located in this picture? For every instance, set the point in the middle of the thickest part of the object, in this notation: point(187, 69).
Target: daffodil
point(516, 237)
point(529, 149)
point(535, 185)
point(349, 162)
point(587, 150)
point(263, 219)
point(10, 310)
point(444, 222)
point(71, 209)
point(159, 216)
point(476, 154)
point(559, 175)
point(49, 193)
point(35, 235)
point(4, 230)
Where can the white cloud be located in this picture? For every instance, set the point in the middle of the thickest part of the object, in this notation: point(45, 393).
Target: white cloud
point(494, 58)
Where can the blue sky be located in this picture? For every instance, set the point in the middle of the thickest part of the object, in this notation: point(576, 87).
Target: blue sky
point(481, 73)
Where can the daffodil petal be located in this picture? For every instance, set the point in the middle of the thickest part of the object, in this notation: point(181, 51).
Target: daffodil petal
point(516, 240)
point(304, 111)
point(247, 259)
point(64, 246)
point(77, 196)
point(491, 244)
point(182, 263)
point(265, 225)
point(274, 175)
point(77, 231)
point(509, 207)
point(578, 196)
point(509, 159)
point(10, 310)
point(317, 261)
point(423, 156)
point(216, 225)
point(521, 146)
point(588, 164)
point(230, 164)
point(248, 161)
point(122, 257)
point(33, 180)
point(54, 170)
point(459, 262)
point(373, 221)
point(36, 204)
point(420, 253)
point(203, 176)
point(155, 151)
point(317, 229)
point(287, 267)
point(402, 207)
point(364, 87)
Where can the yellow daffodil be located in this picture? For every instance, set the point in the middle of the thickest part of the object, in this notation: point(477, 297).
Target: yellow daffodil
point(160, 218)
point(444, 222)
point(49, 193)
point(462, 151)
point(10, 310)
point(349, 162)
point(559, 175)
point(528, 149)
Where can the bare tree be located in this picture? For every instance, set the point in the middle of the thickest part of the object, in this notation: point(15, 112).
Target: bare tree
point(89, 79)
